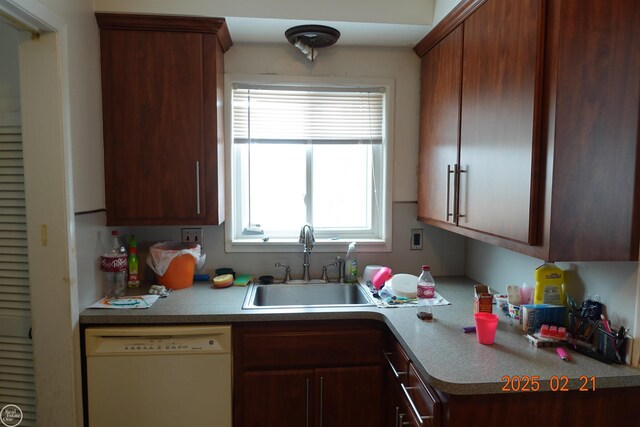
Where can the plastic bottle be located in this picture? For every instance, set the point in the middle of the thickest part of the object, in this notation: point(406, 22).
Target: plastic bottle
point(426, 294)
point(134, 277)
point(526, 294)
point(351, 264)
point(549, 285)
point(114, 265)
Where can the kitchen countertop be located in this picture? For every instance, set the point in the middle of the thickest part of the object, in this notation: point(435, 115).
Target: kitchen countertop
point(447, 358)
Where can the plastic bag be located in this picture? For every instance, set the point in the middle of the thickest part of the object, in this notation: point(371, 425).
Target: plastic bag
point(161, 254)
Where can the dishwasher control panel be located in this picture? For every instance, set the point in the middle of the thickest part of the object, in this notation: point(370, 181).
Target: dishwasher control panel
point(102, 342)
point(154, 345)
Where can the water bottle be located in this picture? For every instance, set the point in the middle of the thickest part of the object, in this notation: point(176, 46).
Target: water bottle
point(426, 294)
point(114, 265)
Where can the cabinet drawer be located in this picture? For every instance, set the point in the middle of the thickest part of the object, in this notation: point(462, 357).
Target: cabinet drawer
point(422, 402)
point(396, 359)
point(294, 349)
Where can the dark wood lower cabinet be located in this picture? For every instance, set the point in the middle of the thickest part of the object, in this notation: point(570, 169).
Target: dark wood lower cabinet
point(277, 398)
point(308, 374)
point(321, 397)
point(335, 373)
point(349, 396)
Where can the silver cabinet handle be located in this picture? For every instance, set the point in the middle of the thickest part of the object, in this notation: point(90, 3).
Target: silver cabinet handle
point(458, 172)
point(308, 402)
point(449, 172)
point(197, 187)
point(393, 368)
point(321, 398)
point(419, 417)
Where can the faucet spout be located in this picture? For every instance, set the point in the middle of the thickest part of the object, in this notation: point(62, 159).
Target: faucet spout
point(307, 239)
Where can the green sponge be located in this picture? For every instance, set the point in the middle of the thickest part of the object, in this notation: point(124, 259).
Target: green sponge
point(242, 279)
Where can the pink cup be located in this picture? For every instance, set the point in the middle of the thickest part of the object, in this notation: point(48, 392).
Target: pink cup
point(486, 325)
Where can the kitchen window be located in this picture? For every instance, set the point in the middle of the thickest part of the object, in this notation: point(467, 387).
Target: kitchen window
point(309, 152)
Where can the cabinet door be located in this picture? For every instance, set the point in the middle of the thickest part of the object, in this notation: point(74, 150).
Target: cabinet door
point(440, 78)
point(595, 183)
point(278, 398)
point(153, 131)
point(499, 146)
point(349, 396)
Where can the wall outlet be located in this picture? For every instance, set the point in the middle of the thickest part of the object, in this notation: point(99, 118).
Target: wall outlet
point(192, 235)
point(416, 239)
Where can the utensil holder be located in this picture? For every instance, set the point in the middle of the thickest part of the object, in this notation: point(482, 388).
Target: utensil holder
point(612, 347)
point(581, 327)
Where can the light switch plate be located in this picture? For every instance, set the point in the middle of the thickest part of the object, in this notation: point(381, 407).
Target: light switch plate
point(416, 239)
point(192, 235)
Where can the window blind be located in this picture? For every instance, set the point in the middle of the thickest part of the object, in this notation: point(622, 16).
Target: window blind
point(307, 115)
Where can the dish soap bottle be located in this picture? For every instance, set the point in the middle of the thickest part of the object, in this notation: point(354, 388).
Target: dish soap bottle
point(549, 285)
point(351, 273)
point(134, 277)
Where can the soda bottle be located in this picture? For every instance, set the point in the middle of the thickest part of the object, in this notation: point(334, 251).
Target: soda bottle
point(134, 277)
point(426, 294)
point(114, 265)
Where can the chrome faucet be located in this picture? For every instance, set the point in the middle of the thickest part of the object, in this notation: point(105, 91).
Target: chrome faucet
point(307, 239)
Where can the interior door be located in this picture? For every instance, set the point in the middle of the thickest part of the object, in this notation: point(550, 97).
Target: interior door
point(16, 358)
point(499, 136)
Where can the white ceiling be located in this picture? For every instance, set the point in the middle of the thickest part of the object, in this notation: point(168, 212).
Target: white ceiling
point(261, 30)
point(360, 22)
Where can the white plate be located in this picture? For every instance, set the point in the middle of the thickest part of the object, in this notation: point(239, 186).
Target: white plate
point(404, 285)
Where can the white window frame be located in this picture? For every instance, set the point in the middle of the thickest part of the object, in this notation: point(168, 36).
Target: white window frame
point(257, 244)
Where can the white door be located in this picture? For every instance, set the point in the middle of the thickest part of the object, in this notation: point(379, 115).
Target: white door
point(16, 356)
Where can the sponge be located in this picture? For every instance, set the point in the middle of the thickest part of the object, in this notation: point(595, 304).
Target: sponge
point(223, 281)
point(242, 279)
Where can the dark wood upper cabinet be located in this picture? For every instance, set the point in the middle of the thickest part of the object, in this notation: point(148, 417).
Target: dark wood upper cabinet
point(548, 129)
point(501, 72)
point(440, 77)
point(162, 86)
point(594, 197)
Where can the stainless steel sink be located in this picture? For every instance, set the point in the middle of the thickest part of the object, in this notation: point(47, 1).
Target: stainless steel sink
point(306, 296)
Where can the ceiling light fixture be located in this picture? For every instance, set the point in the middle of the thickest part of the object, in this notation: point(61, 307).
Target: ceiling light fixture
point(309, 38)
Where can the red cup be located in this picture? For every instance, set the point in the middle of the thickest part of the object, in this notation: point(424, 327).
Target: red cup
point(486, 325)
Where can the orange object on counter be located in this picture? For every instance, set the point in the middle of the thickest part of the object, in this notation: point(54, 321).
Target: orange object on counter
point(179, 275)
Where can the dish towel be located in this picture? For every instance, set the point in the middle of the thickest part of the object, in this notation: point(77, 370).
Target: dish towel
point(385, 298)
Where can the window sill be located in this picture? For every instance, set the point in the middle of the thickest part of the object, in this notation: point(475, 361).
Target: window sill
point(321, 245)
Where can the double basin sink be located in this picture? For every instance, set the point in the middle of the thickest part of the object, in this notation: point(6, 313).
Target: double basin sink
point(306, 295)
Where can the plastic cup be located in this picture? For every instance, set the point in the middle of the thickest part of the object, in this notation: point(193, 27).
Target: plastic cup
point(486, 325)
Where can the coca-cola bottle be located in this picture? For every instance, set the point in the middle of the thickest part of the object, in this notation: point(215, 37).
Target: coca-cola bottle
point(114, 265)
point(426, 294)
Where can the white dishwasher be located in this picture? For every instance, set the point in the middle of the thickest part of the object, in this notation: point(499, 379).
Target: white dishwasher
point(159, 376)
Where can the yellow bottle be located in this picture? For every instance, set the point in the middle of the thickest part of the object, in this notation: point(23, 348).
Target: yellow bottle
point(549, 285)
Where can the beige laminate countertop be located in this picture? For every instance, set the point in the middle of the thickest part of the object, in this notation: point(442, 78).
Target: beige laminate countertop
point(449, 359)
